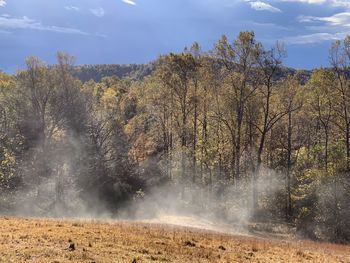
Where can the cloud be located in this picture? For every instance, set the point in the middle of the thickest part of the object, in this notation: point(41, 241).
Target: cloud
point(2, 3)
point(7, 23)
point(330, 28)
point(340, 19)
point(267, 26)
point(261, 6)
point(315, 38)
point(306, 1)
point(72, 8)
point(341, 3)
point(333, 3)
point(99, 12)
point(129, 2)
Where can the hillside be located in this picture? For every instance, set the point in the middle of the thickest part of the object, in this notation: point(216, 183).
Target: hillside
point(139, 71)
point(97, 72)
point(37, 240)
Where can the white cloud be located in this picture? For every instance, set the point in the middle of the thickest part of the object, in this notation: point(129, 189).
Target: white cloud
point(72, 8)
point(330, 28)
point(129, 2)
point(230, 3)
point(261, 6)
point(341, 3)
point(340, 19)
point(306, 1)
point(8, 23)
point(2, 3)
point(315, 38)
point(333, 3)
point(99, 12)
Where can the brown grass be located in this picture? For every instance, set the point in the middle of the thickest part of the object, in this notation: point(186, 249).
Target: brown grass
point(35, 240)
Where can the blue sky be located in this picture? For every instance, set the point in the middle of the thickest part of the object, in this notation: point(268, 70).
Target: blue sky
point(137, 31)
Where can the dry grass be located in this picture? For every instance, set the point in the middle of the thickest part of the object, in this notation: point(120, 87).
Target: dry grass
point(33, 240)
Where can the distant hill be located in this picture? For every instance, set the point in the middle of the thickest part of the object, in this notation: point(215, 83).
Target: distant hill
point(304, 75)
point(139, 71)
point(97, 72)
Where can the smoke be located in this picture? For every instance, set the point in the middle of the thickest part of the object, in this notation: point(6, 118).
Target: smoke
point(49, 181)
point(48, 184)
point(219, 206)
point(54, 178)
point(333, 209)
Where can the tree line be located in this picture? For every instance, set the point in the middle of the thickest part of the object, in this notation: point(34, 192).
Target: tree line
point(232, 122)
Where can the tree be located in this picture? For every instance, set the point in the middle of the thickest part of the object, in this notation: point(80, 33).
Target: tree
point(269, 65)
point(239, 60)
point(339, 60)
point(176, 73)
point(291, 102)
point(321, 97)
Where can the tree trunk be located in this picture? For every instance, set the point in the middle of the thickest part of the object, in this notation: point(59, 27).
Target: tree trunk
point(194, 148)
point(347, 141)
point(238, 143)
point(289, 166)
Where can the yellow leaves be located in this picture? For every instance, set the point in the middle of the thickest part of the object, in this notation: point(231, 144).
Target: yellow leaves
point(109, 98)
point(6, 82)
point(303, 153)
point(134, 124)
point(8, 159)
point(304, 212)
point(59, 134)
point(98, 89)
point(109, 94)
point(6, 165)
point(142, 148)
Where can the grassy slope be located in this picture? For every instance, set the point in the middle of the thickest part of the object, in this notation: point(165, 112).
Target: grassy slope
point(33, 240)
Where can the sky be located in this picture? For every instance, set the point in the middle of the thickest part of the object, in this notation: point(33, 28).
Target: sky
point(138, 31)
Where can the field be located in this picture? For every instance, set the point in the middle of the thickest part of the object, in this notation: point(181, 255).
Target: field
point(39, 240)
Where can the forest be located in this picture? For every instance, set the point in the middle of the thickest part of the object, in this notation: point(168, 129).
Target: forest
point(229, 133)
